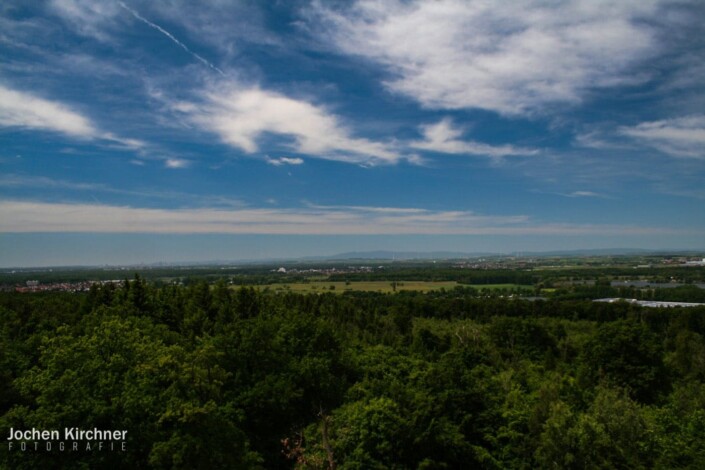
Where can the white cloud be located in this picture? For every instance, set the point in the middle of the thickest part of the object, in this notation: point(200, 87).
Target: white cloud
point(176, 163)
point(19, 109)
point(284, 161)
point(24, 110)
point(241, 116)
point(584, 194)
point(509, 57)
point(25, 216)
point(443, 137)
point(678, 137)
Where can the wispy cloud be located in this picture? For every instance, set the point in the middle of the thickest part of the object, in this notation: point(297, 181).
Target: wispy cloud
point(22, 181)
point(576, 194)
point(512, 57)
point(87, 17)
point(242, 115)
point(24, 110)
point(131, 144)
point(284, 161)
point(444, 137)
point(170, 36)
point(99, 19)
point(26, 216)
point(188, 199)
point(226, 26)
point(20, 109)
point(596, 140)
point(229, 26)
point(678, 137)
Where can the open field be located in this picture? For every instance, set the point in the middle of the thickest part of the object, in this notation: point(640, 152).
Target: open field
point(373, 286)
point(360, 286)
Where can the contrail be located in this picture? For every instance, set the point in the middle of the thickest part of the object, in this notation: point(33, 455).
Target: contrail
point(170, 36)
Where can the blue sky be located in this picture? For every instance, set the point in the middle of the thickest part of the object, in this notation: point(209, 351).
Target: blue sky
point(138, 131)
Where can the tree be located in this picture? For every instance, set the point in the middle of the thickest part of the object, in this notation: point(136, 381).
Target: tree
point(627, 354)
point(613, 433)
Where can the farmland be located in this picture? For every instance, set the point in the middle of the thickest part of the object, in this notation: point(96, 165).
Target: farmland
point(385, 287)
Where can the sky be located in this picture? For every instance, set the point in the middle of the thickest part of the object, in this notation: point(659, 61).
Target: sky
point(171, 131)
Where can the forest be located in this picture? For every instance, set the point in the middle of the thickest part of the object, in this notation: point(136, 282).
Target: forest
point(210, 375)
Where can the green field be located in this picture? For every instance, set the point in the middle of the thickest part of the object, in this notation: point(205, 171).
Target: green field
point(373, 286)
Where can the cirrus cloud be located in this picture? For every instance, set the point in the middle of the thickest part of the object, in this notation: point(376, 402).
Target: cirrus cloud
point(678, 137)
point(444, 137)
point(512, 58)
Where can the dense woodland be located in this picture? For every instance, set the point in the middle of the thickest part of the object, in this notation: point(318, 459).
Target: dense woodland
point(210, 376)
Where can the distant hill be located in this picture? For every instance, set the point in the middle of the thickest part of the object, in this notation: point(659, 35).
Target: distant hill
point(431, 255)
point(378, 255)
